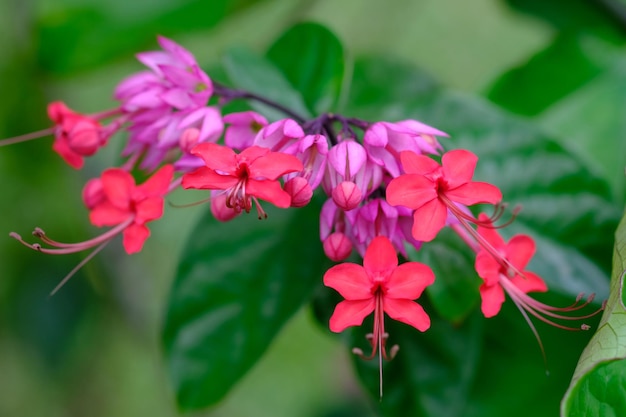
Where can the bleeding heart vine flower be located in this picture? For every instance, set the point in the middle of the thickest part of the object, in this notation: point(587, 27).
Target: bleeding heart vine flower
point(379, 286)
point(246, 177)
point(432, 190)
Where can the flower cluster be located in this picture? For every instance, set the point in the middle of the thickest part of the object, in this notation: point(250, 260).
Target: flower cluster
point(386, 193)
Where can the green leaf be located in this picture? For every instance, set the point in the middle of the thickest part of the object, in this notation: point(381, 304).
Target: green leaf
point(98, 32)
point(599, 382)
point(311, 57)
point(256, 74)
point(236, 286)
point(538, 83)
point(597, 17)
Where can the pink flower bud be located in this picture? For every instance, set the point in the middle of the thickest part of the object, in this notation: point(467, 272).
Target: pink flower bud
point(219, 209)
point(189, 139)
point(299, 190)
point(83, 135)
point(93, 193)
point(347, 195)
point(337, 247)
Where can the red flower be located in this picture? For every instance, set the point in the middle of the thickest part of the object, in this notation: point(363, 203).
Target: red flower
point(432, 189)
point(253, 174)
point(379, 286)
point(115, 199)
point(497, 261)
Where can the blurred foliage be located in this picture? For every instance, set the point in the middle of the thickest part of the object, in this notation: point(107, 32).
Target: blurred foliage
point(93, 349)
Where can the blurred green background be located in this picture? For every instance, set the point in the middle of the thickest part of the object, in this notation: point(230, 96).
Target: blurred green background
point(94, 348)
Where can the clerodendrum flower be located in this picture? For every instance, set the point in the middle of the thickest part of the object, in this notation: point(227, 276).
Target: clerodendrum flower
point(251, 175)
point(379, 286)
point(432, 189)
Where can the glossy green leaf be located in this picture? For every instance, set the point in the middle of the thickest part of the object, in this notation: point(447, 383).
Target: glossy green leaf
point(599, 382)
point(236, 286)
point(311, 57)
point(570, 61)
point(561, 201)
point(256, 74)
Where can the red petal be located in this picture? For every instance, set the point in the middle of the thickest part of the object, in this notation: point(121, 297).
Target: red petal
point(458, 167)
point(217, 157)
point(487, 268)
point(269, 191)
point(350, 280)
point(106, 214)
point(380, 258)
point(490, 234)
point(251, 154)
point(409, 280)
point(428, 220)
point(530, 282)
point(274, 165)
point(411, 190)
point(118, 186)
point(492, 299)
point(134, 237)
point(157, 184)
point(408, 312)
point(73, 159)
point(413, 163)
point(148, 210)
point(205, 178)
point(350, 313)
point(520, 250)
point(475, 193)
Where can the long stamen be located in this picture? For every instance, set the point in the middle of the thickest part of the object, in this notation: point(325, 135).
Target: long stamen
point(78, 267)
point(26, 137)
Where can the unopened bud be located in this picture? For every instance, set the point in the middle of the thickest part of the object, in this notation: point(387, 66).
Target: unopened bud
point(299, 190)
point(189, 139)
point(219, 209)
point(84, 136)
point(93, 193)
point(337, 247)
point(347, 195)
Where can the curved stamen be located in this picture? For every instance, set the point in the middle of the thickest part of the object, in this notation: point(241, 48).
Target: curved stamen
point(28, 136)
point(78, 267)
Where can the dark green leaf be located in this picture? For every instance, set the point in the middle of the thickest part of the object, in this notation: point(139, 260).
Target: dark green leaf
point(236, 286)
point(256, 74)
point(311, 57)
point(599, 382)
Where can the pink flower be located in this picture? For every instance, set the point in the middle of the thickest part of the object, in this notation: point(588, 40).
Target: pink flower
point(431, 189)
point(75, 135)
point(379, 286)
point(115, 199)
point(243, 128)
point(251, 175)
point(509, 264)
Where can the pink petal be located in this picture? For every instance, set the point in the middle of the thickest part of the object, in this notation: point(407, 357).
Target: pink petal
point(149, 209)
point(347, 158)
point(408, 312)
point(487, 267)
point(350, 313)
point(158, 183)
point(118, 186)
point(530, 282)
point(274, 165)
point(413, 163)
point(409, 280)
point(490, 234)
point(269, 191)
point(475, 193)
point(376, 135)
point(134, 237)
point(106, 214)
point(350, 280)
point(411, 190)
point(458, 167)
point(520, 250)
point(205, 178)
point(217, 157)
point(380, 258)
point(492, 299)
point(428, 220)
